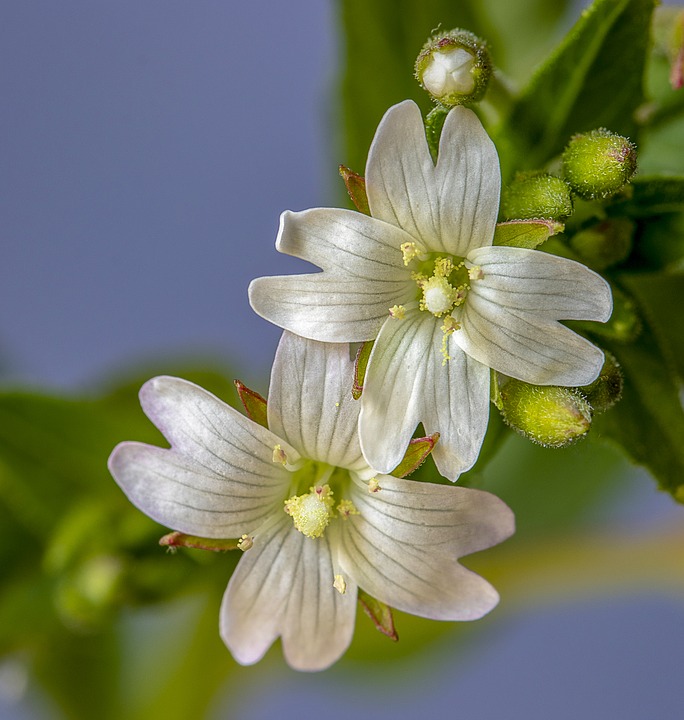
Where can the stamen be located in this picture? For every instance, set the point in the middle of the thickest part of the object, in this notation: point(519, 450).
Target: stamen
point(279, 455)
point(340, 584)
point(245, 543)
point(410, 251)
point(374, 485)
point(398, 312)
point(475, 273)
point(346, 508)
point(448, 326)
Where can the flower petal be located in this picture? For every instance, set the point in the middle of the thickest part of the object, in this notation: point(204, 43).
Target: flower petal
point(451, 207)
point(310, 403)
point(402, 548)
point(215, 435)
point(219, 480)
point(328, 308)
point(180, 493)
point(283, 586)
point(407, 382)
point(542, 284)
point(344, 242)
point(455, 521)
point(524, 346)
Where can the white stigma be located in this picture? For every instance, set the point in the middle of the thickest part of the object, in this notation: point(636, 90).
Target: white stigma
point(438, 299)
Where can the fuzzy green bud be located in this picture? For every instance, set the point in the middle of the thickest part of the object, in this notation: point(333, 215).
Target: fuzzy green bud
point(454, 67)
point(546, 414)
point(604, 244)
point(599, 163)
point(606, 390)
point(536, 195)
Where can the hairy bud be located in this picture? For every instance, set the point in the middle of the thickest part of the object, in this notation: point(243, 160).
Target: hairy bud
point(536, 195)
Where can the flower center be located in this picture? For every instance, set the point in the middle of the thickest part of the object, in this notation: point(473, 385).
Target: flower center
point(312, 511)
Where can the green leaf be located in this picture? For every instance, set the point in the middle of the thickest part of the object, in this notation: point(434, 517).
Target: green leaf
point(651, 196)
point(648, 422)
point(593, 79)
point(526, 233)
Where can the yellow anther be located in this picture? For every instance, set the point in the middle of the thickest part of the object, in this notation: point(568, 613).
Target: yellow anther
point(475, 272)
point(245, 543)
point(398, 312)
point(443, 267)
point(311, 513)
point(346, 508)
point(374, 485)
point(448, 326)
point(279, 455)
point(340, 584)
point(409, 250)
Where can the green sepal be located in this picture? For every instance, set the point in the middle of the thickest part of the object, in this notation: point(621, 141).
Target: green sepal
point(175, 540)
point(434, 122)
point(415, 455)
point(356, 187)
point(526, 233)
point(380, 614)
point(255, 404)
point(360, 365)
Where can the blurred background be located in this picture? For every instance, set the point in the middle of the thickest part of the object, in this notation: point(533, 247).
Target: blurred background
point(148, 149)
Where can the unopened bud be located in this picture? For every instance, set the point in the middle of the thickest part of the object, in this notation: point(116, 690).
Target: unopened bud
point(546, 414)
point(606, 243)
point(454, 67)
point(606, 390)
point(536, 195)
point(599, 163)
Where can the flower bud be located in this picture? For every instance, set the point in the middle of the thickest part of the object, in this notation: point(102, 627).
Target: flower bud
point(546, 414)
point(606, 390)
point(599, 163)
point(604, 244)
point(454, 67)
point(536, 195)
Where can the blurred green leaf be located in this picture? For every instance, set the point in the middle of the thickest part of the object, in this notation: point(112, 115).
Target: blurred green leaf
point(652, 196)
point(648, 422)
point(593, 79)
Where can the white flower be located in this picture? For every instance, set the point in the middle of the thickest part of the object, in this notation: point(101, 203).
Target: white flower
point(422, 278)
point(298, 494)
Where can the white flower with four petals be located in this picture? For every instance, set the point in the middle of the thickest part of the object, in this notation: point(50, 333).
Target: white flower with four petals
point(300, 491)
point(422, 278)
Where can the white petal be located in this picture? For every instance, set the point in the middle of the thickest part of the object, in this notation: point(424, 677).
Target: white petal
point(310, 403)
point(219, 480)
point(215, 435)
point(326, 307)
point(178, 492)
point(388, 549)
point(345, 243)
point(542, 284)
point(407, 383)
point(283, 586)
point(451, 207)
point(391, 403)
point(529, 348)
point(454, 521)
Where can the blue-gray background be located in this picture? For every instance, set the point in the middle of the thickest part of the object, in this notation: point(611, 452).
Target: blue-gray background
point(147, 149)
